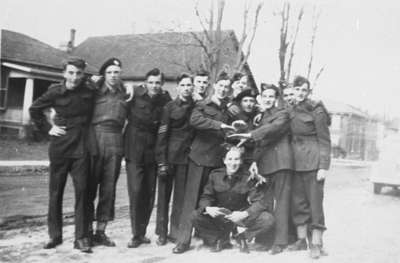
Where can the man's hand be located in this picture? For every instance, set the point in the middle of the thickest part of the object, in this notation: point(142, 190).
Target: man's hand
point(255, 175)
point(227, 127)
point(214, 211)
point(240, 135)
point(57, 130)
point(162, 171)
point(233, 109)
point(130, 91)
point(95, 78)
point(321, 174)
point(239, 125)
point(237, 216)
point(257, 119)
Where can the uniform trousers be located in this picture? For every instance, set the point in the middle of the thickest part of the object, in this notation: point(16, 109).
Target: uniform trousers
point(141, 179)
point(307, 200)
point(176, 179)
point(78, 168)
point(219, 228)
point(105, 170)
point(197, 178)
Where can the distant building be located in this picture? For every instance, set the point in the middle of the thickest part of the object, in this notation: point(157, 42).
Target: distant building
point(29, 66)
point(354, 133)
point(171, 52)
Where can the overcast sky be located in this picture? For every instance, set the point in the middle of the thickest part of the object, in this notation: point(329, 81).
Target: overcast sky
point(358, 41)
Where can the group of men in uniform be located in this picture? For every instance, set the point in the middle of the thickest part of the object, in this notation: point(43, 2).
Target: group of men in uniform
point(237, 163)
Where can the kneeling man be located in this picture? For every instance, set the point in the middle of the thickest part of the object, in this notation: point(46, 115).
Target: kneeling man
point(231, 200)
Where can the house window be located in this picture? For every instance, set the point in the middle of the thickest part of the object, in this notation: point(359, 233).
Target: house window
point(3, 90)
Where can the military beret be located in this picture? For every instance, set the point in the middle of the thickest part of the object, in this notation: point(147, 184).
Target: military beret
point(265, 86)
point(110, 62)
point(74, 61)
point(246, 93)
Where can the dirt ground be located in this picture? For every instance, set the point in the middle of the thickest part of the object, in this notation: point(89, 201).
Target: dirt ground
point(362, 227)
point(13, 148)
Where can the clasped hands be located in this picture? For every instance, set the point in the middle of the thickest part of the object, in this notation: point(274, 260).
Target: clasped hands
point(235, 216)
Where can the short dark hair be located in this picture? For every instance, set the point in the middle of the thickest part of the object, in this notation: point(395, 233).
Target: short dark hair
point(155, 72)
point(184, 76)
point(237, 76)
point(222, 76)
point(74, 61)
point(202, 73)
point(265, 86)
point(300, 80)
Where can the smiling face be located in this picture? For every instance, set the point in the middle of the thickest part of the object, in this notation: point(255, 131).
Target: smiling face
point(288, 96)
point(154, 84)
point(268, 98)
point(301, 92)
point(112, 75)
point(222, 88)
point(232, 161)
point(73, 76)
point(185, 88)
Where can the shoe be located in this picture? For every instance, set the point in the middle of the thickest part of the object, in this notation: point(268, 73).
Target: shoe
point(243, 245)
point(315, 251)
point(134, 242)
point(180, 248)
point(226, 244)
point(276, 249)
point(300, 244)
point(217, 247)
point(53, 243)
point(100, 238)
point(171, 239)
point(261, 247)
point(161, 241)
point(145, 240)
point(83, 245)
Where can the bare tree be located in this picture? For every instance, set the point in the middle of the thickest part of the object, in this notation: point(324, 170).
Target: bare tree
point(212, 39)
point(285, 63)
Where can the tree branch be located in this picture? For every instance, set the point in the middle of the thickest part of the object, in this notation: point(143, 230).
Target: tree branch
point(313, 36)
point(293, 43)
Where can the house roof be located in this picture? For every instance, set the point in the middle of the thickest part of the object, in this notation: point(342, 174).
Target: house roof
point(171, 52)
point(22, 49)
point(337, 107)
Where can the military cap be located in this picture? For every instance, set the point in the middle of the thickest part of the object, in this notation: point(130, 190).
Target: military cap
point(265, 86)
point(246, 93)
point(75, 61)
point(110, 62)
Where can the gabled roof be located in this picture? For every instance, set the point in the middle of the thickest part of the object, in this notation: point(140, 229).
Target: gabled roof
point(171, 52)
point(22, 49)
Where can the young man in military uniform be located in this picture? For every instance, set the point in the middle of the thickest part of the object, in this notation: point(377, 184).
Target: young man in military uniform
point(72, 101)
point(231, 199)
point(173, 145)
point(209, 118)
point(288, 95)
point(201, 81)
point(144, 116)
point(312, 148)
point(109, 115)
point(274, 160)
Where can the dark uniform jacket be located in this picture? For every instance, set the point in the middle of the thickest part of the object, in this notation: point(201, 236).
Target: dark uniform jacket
point(273, 151)
point(310, 136)
point(73, 108)
point(144, 116)
point(207, 147)
point(175, 134)
point(110, 107)
point(235, 194)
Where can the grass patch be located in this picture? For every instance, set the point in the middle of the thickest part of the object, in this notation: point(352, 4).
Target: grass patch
point(20, 149)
